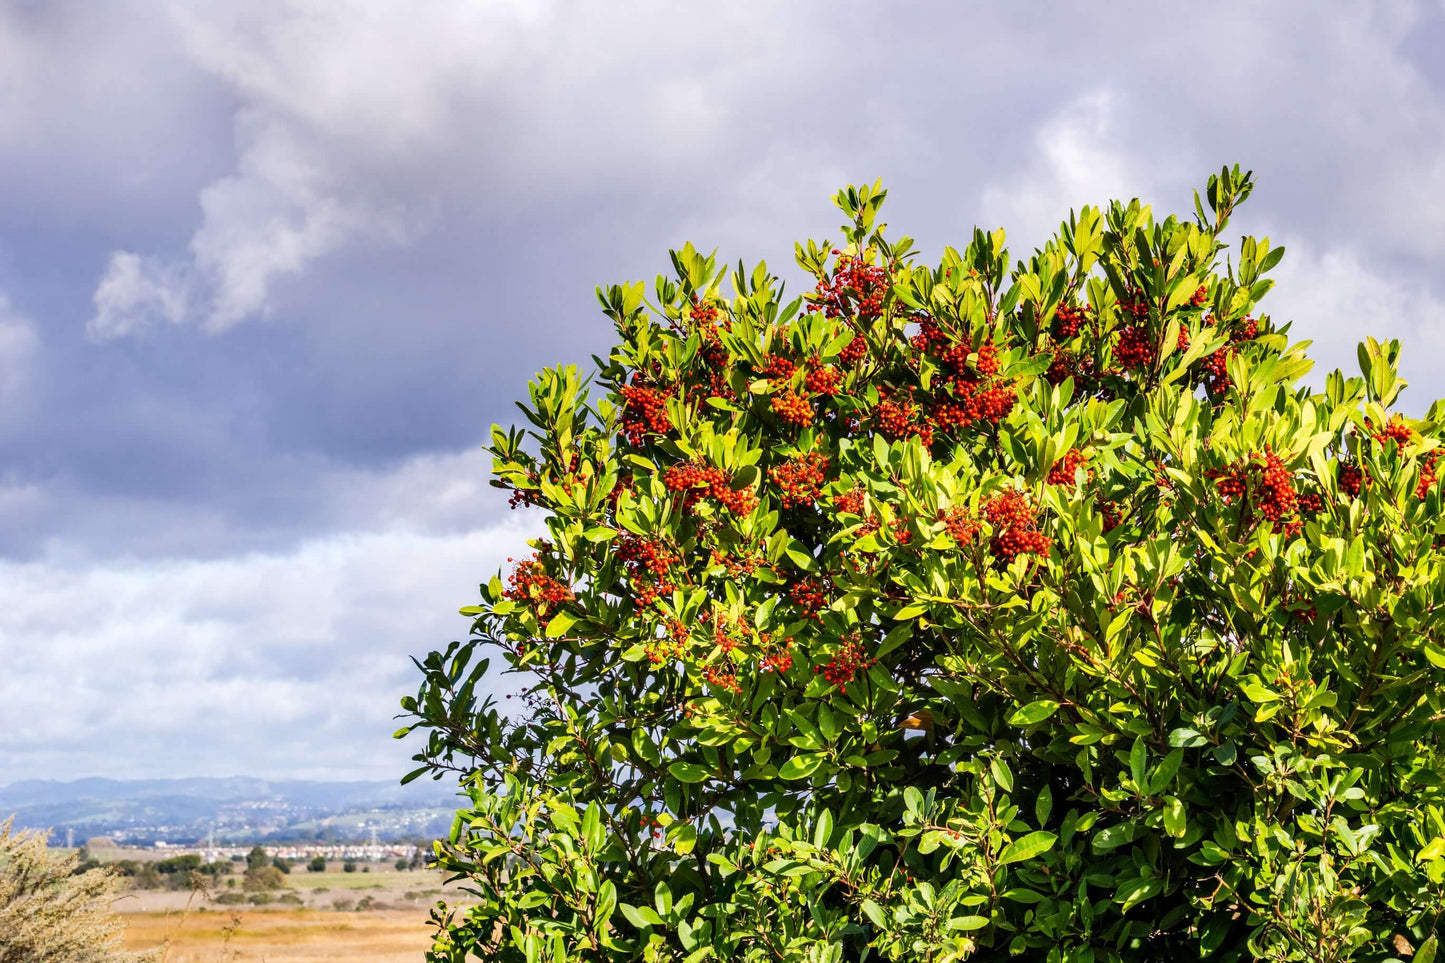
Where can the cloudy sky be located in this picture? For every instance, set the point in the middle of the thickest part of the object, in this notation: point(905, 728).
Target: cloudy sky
point(269, 270)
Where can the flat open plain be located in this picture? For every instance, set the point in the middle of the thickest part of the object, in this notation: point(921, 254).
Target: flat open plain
point(328, 925)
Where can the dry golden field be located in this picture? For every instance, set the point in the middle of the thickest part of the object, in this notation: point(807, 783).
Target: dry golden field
point(393, 931)
point(284, 936)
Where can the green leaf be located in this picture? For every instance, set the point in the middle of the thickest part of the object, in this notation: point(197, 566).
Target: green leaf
point(1175, 821)
point(1033, 713)
point(1027, 847)
point(874, 912)
point(1026, 896)
point(1186, 738)
point(684, 838)
point(688, 772)
point(1112, 837)
point(910, 611)
point(1043, 805)
point(1001, 773)
point(823, 832)
point(1164, 772)
point(1426, 952)
point(800, 766)
point(1132, 892)
point(1138, 756)
point(606, 903)
point(640, 916)
point(560, 623)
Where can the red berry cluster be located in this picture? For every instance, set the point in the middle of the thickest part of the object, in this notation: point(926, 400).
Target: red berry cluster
point(793, 409)
point(779, 659)
point(724, 677)
point(1135, 348)
point(1201, 294)
point(1136, 307)
point(708, 318)
point(853, 351)
point(1014, 534)
point(1350, 479)
point(669, 646)
point(721, 636)
point(845, 665)
point(526, 497)
point(1216, 372)
point(776, 368)
point(1275, 497)
point(1063, 470)
point(736, 566)
point(895, 420)
point(822, 379)
point(971, 391)
point(1063, 366)
point(533, 496)
point(1111, 514)
point(649, 563)
point(529, 582)
point(685, 476)
point(1428, 478)
point(1067, 320)
point(987, 363)
point(850, 502)
point(1395, 430)
point(857, 288)
point(960, 524)
point(644, 411)
point(902, 530)
point(707, 481)
point(809, 594)
point(800, 480)
point(1232, 482)
point(1266, 482)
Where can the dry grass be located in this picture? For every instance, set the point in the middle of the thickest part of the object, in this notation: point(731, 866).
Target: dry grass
point(276, 936)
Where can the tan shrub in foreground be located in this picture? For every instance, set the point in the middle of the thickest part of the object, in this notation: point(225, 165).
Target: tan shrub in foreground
point(48, 915)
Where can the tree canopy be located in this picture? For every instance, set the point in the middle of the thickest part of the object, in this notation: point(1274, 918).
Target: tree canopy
point(993, 608)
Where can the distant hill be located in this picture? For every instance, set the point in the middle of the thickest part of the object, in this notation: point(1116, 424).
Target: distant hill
point(237, 808)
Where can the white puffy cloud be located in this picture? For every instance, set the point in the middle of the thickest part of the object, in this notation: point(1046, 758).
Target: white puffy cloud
point(1080, 157)
point(1336, 298)
point(132, 292)
point(288, 663)
point(283, 208)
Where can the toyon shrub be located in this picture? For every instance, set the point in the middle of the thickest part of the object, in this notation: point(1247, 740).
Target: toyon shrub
point(997, 609)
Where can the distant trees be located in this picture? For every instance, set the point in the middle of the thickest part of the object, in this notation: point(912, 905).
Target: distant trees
point(349, 866)
point(317, 864)
point(284, 865)
point(264, 878)
point(50, 915)
point(256, 858)
point(183, 864)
